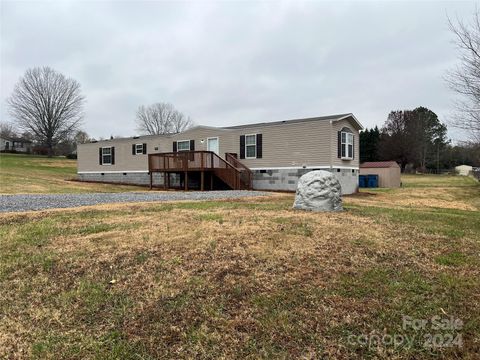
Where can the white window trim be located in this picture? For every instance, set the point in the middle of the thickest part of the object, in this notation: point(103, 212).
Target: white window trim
point(218, 142)
point(348, 136)
point(107, 147)
point(182, 141)
point(250, 157)
point(136, 149)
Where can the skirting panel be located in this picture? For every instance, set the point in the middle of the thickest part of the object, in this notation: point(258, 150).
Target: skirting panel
point(286, 179)
point(134, 178)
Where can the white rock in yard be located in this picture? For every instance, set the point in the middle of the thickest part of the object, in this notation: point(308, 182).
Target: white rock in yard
point(318, 190)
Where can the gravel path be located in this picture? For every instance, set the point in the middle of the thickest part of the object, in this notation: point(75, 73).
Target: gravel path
point(58, 201)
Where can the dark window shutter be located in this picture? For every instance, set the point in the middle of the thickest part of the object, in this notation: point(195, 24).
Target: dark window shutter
point(100, 156)
point(242, 146)
point(113, 155)
point(353, 147)
point(174, 146)
point(339, 144)
point(259, 146)
point(133, 150)
point(144, 148)
point(192, 145)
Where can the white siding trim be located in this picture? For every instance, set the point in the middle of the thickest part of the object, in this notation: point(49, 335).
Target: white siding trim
point(307, 167)
point(112, 172)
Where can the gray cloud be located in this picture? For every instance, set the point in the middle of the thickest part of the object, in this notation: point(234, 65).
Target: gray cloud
point(235, 62)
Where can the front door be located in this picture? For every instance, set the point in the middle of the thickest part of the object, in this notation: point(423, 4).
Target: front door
point(212, 145)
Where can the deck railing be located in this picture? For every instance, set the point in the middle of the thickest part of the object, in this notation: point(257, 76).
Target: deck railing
point(185, 161)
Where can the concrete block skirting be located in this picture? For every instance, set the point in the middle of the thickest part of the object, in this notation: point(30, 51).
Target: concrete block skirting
point(287, 179)
point(134, 178)
point(277, 179)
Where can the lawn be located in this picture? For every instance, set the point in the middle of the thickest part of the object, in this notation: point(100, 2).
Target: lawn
point(39, 174)
point(248, 278)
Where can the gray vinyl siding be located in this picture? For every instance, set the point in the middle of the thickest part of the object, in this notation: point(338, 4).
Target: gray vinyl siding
point(310, 144)
point(88, 159)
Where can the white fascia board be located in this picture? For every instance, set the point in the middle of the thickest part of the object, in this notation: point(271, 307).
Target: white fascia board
point(354, 118)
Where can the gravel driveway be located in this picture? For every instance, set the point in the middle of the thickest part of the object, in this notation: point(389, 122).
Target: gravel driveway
point(58, 201)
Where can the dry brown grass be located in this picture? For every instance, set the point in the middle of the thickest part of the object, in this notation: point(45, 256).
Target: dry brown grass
point(28, 174)
point(248, 278)
point(446, 198)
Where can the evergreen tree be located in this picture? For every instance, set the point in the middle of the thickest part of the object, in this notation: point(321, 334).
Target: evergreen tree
point(369, 144)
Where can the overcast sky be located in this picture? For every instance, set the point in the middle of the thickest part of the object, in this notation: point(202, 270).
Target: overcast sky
point(228, 63)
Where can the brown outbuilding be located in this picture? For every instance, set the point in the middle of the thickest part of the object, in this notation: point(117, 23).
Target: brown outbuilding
point(388, 172)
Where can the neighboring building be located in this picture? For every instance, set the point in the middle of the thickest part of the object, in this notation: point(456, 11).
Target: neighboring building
point(463, 170)
point(277, 153)
point(388, 172)
point(15, 145)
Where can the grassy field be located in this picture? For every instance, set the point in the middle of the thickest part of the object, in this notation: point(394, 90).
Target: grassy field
point(248, 278)
point(39, 174)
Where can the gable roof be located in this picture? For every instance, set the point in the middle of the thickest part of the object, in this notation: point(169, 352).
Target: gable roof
point(379, 164)
point(336, 117)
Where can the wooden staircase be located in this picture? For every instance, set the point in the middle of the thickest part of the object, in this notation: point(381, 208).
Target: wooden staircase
point(207, 164)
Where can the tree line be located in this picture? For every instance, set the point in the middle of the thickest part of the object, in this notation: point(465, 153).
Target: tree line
point(416, 140)
point(48, 109)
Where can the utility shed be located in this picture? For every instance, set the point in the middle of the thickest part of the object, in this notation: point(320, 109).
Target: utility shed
point(388, 172)
point(463, 170)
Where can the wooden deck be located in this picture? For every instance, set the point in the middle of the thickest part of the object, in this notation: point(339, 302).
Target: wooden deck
point(206, 165)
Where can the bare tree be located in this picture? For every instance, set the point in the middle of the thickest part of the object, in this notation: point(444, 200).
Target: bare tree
point(7, 130)
point(465, 78)
point(81, 137)
point(161, 118)
point(47, 104)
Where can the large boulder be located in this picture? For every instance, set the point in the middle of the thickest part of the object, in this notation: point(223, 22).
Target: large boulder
point(318, 190)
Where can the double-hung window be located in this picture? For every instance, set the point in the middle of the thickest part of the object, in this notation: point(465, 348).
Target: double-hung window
point(251, 146)
point(106, 156)
point(183, 145)
point(138, 149)
point(347, 145)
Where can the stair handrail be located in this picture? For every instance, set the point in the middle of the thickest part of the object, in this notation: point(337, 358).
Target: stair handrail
point(239, 165)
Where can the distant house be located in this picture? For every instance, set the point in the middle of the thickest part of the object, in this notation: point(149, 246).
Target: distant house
point(269, 156)
point(463, 170)
point(13, 144)
point(388, 172)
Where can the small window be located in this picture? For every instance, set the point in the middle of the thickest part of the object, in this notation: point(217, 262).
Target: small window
point(138, 149)
point(107, 156)
point(250, 146)
point(347, 146)
point(183, 145)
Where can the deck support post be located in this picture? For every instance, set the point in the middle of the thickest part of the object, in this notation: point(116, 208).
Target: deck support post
point(151, 180)
point(202, 181)
point(165, 180)
point(186, 180)
point(168, 180)
point(211, 180)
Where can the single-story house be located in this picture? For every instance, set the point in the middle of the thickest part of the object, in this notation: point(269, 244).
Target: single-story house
point(463, 170)
point(388, 172)
point(263, 156)
point(15, 145)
